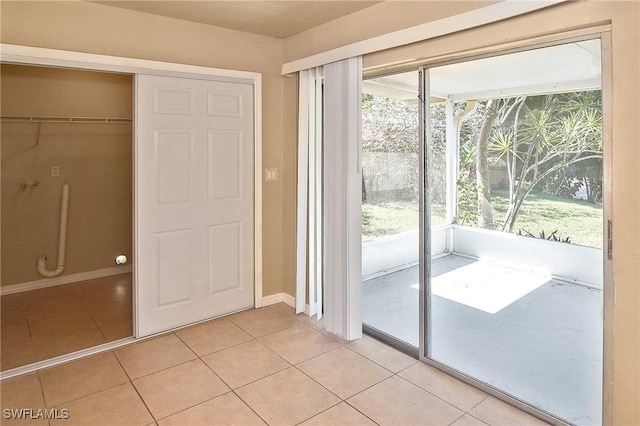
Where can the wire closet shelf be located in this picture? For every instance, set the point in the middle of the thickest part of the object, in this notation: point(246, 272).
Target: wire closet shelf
point(90, 120)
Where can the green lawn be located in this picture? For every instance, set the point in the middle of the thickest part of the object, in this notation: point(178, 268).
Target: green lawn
point(579, 220)
point(379, 220)
point(576, 219)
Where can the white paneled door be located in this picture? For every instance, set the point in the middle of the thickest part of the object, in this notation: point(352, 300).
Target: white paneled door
point(194, 200)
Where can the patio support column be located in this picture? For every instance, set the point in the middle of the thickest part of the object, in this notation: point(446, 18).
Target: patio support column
point(452, 135)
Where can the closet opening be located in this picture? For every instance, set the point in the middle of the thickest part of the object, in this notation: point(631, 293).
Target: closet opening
point(67, 211)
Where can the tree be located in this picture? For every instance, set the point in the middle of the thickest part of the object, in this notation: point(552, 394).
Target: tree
point(389, 125)
point(390, 149)
point(483, 181)
point(555, 132)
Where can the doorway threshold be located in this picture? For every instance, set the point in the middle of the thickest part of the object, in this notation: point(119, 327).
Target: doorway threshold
point(391, 341)
point(66, 358)
point(51, 362)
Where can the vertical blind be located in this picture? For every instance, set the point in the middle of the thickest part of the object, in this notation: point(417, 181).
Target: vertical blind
point(309, 217)
point(329, 197)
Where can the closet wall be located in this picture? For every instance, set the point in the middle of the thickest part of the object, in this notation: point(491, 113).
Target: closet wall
point(94, 159)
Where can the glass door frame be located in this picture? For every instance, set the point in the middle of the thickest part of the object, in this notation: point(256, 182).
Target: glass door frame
point(604, 34)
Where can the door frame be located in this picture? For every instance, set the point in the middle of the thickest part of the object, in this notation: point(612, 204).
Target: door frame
point(603, 33)
point(26, 55)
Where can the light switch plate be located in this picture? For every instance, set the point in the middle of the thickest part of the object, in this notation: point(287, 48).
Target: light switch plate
point(271, 174)
point(55, 171)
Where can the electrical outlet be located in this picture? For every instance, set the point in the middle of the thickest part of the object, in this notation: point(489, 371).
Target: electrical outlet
point(55, 171)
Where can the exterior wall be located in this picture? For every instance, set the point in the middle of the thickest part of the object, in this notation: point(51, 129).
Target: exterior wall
point(388, 254)
point(93, 28)
point(94, 159)
point(570, 262)
point(560, 260)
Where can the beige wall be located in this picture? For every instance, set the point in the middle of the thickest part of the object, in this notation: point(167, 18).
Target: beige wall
point(94, 159)
point(88, 27)
point(623, 326)
point(289, 166)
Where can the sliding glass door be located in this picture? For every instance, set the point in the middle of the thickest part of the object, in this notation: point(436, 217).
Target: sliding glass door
point(390, 208)
point(512, 226)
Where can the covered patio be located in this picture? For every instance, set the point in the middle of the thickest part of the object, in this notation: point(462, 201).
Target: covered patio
point(543, 346)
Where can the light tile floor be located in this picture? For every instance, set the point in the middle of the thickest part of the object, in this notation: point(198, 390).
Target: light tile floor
point(45, 323)
point(255, 367)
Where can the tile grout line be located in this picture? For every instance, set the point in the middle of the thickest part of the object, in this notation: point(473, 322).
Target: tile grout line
point(33, 345)
point(377, 363)
point(432, 394)
point(291, 365)
point(216, 351)
point(182, 363)
point(91, 393)
point(483, 400)
point(264, 377)
point(440, 398)
point(95, 322)
point(201, 360)
point(458, 418)
point(346, 345)
point(44, 399)
point(341, 399)
point(356, 408)
point(264, 335)
point(315, 356)
point(480, 420)
point(257, 380)
point(163, 369)
point(134, 387)
point(345, 400)
point(255, 339)
point(320, 412)
point(208, 366)
point(231, 390)
point(250, 407)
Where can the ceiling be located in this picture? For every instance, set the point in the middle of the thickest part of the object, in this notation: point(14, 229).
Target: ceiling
point(279, 19)
point(561, 68)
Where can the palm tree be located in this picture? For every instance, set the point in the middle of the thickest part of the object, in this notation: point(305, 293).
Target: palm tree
point(541, 136)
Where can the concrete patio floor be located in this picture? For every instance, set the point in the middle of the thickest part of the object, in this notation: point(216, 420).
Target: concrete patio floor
point(544, 348)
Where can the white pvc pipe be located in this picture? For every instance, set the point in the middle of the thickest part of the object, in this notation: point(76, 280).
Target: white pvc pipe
point(62, 239)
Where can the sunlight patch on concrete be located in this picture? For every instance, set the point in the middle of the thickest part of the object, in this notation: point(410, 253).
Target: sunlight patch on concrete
point(486, 286)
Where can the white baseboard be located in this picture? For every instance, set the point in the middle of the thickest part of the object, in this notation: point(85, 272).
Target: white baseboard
point(65, 279)
point(289, 300)
point(272, 299)
point(277, 298)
